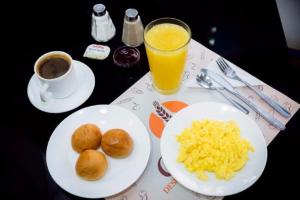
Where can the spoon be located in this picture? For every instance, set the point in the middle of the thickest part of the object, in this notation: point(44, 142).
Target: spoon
point(205, 82)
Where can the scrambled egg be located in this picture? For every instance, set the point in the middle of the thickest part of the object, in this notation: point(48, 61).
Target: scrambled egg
point(213, 146)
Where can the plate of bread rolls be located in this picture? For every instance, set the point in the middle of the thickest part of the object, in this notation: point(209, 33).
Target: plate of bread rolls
point(98, 151)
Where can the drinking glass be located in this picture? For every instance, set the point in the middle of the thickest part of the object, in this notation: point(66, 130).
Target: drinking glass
point(166, 41)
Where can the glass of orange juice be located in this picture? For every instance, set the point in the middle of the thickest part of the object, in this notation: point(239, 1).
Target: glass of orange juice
point(166, 41)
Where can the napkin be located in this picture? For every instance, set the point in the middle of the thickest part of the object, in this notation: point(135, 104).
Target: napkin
point(240, 72)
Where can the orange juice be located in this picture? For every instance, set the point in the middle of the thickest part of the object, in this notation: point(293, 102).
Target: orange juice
point(166, 47)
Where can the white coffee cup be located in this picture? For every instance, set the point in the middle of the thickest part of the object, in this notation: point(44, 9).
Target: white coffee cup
point(55, 70)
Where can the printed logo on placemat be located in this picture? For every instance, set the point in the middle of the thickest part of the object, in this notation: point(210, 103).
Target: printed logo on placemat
point(163, 113)
point(157, 121)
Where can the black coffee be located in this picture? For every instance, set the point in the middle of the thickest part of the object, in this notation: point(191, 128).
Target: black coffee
point(53, 68)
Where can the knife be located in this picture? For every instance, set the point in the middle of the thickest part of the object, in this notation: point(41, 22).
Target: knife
point(228, 87)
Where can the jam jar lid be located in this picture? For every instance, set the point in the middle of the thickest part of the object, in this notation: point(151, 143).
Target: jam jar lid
point(126, 57)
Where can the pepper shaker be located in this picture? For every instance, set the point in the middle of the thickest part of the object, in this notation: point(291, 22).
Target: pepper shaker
point(133, 29)
point(103, 28)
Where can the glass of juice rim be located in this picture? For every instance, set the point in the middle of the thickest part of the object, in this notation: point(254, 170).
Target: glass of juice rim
point(166, 42)
point(167, 20)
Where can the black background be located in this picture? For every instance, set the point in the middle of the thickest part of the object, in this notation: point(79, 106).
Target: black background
point(249, 33)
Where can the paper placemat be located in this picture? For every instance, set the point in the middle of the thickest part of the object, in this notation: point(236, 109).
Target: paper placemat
point(140, 98)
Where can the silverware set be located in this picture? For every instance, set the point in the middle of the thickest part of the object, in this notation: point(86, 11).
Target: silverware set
point(205, 82)
point(230, 73)
point(206, 77)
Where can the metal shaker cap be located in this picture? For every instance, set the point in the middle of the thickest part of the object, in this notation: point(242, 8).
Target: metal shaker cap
point(131, 14)
point(99, 9)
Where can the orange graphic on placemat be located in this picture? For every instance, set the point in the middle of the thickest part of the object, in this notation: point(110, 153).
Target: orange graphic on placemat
point(163, 113)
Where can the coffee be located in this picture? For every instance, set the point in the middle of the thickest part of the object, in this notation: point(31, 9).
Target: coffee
point(57, 76)
point(53, 67)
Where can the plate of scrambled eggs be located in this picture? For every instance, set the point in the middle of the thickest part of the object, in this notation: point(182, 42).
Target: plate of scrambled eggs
point(213, 149)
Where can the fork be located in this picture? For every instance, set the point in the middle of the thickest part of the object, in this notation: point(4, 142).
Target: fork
point(230, 73)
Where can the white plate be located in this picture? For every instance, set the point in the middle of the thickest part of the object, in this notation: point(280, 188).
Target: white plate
point(86, 84)
point(214, 187)
point(121, 173)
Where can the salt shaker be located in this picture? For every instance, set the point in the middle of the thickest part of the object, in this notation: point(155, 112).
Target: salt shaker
point(103, 28)
point(133, 29)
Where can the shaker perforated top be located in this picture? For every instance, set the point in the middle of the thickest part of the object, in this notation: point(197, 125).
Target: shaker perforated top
point(131, 14)
point(99, 10)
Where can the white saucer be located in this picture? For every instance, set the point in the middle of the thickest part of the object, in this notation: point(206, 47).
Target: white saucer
point(86, 86)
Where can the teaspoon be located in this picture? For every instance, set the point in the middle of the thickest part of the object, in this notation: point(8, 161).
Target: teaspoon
point(205, 82)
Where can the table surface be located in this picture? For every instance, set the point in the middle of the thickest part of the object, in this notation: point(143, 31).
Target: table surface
point(248, 33)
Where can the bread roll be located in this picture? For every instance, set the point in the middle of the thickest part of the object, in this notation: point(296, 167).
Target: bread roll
point(91, 165)
point(87, 136)
point(117, 143)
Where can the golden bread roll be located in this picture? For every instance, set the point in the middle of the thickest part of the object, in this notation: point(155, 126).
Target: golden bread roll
point(87, 136)
point(91, 165)
point(117, 143)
